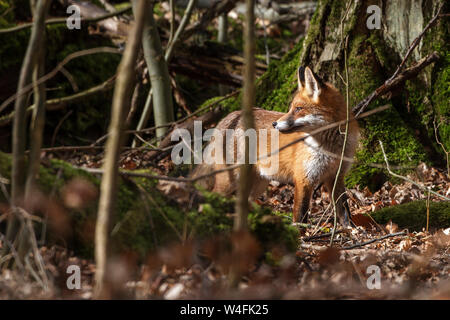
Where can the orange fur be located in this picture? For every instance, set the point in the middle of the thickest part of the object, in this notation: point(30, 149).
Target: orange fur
point(308, 163)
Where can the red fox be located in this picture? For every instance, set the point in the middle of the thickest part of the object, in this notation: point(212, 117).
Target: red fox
point(308, 163)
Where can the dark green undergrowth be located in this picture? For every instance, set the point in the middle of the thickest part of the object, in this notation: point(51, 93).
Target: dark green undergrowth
point(413, 215)
point(89, 118)
point(146, 218)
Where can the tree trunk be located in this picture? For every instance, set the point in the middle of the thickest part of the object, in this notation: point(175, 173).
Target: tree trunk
point(19, 125)
point(246, 171)
point(248, 101)
point(160, 94)
point(36, 137)
point(373, 56)
point(406, 128)
point(120, 107)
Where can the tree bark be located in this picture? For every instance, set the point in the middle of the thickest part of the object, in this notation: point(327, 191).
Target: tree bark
point(374, 54)
point(120, 108)
point(160, 93)
point(19, 124)
point(248, 101)
point(240, 226)
point(36, 137)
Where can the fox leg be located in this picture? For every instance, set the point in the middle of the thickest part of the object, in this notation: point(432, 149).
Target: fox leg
point(340, 197)
point(224, 182)
point(302, 197)
point(259, 186)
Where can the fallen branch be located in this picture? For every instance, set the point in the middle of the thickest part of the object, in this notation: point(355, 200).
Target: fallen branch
point(358, 245)
point(397, 79)
point(320, 236)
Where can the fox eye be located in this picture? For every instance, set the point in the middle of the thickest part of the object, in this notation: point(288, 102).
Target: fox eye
point(297, 109)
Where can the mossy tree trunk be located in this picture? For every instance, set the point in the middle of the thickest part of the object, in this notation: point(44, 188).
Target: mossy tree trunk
point(406, 129)
point(373, 55)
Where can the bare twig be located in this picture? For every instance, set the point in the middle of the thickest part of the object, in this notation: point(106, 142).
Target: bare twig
point(359, 245)
point(232, 167)
point(319, 236)
point(58, 126)
point(120, 105)
point(71, 79)
point(391, 82)
point(51, 74)
point(407, 179)
point(387, 86)
point(347, 108)
point(447, 153)
point(193, 114)
point(63, 20)
point(172, 20)
point(184, 21)
point(59, 103)
point(415, 42)
point(428, 210)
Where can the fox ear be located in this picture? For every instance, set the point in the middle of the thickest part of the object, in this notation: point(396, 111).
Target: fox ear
point(301, 78)
point(313, 84)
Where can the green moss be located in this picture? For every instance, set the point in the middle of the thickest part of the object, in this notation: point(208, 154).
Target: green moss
point(6, 15)
point(440, 95)
point(401, 145)
point(413, 215)
point(275, 88)
point(146, 218)
point(270, 229)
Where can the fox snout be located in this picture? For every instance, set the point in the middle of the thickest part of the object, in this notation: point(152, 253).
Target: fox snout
point(283, 125)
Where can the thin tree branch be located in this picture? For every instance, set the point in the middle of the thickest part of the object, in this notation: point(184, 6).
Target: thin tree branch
point(51, 74)
point(19, 125)
point(415, 42)
point(63, 20)
point(393, 81)
point(109, 183)
point(59, 103)
point(184, 22)
point(387, 86)
point(347, 108)
point(407, 179)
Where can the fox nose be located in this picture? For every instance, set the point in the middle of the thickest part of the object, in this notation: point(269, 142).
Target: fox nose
point(274, 124)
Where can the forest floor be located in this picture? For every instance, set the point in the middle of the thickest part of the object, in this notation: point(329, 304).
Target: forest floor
point(412, 265)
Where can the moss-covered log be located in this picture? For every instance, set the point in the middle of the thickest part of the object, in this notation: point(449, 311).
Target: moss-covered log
point(413, 215)
point(145, 217)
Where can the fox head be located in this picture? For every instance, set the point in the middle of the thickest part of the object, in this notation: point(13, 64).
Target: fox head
point(315, 103)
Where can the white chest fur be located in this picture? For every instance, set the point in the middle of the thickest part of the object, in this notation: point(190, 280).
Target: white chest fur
point(318, 162)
